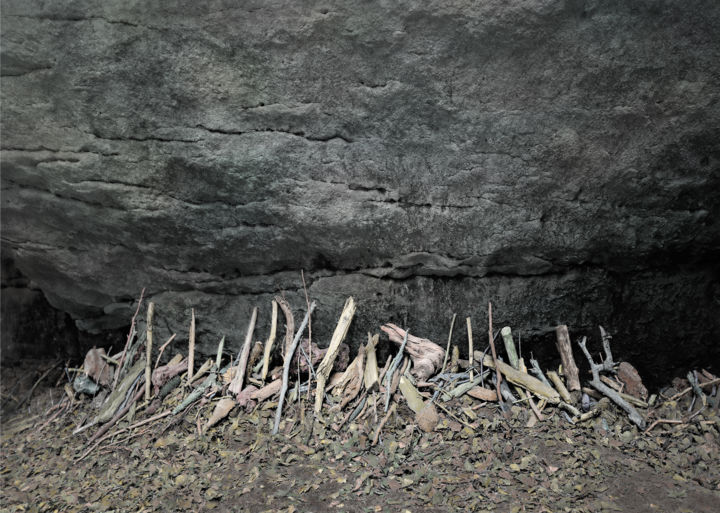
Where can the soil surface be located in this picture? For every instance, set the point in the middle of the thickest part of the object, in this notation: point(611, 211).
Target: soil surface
point(478, 459)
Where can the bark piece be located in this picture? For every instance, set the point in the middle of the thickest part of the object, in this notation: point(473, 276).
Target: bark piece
point(97, 367)
point(632, 381)
point(484, 394)
point(370, 377)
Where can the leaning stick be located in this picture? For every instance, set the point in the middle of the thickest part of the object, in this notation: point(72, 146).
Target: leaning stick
point(568, 361)
point(470, 347)
point(148, 345)
point(162, 348)
point(309, 359)
point(494, 354)
point(383, 422)
point(289, 323)
point(191, 349)
point(519, 378)
point(286, 367)
point(506, 334)
point(447, 349)
point(559, 386)
point(237, 384)
point(129, 338)
point(323, 370)
point(269, 342)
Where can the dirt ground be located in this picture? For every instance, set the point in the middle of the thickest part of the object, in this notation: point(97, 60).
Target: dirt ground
point(480, 460)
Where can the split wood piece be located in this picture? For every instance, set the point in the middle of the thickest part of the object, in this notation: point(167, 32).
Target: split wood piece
point(311, 370)
point(269, 342)
point(483, 394)
point(426, 415)
point(120, 414)
point(447, 349)
point(289, 323)
point(222, 410)
point(370, 376)
point(351, 381)
point(509, 343)
point(491, 337)
point(427, 356)
point(191, 348)
point(454, 360)
point(376, 436)
point(522, 379)
point(119, 394)
point(470, 348)
point(323, 370)
point(148, 346)
point(122, 362)
point(221, 347)
point(564, 347)
point(462, 389)
point(255, 353)
point(268, 390)
point(286, 367)
point(205, 367)
point(615, 385)
point(635, 417)
point(560, 386)
point(237, 385)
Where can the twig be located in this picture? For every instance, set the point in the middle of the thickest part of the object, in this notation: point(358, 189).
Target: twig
point(191, 348)
point(131, 334)
point(310, 370)
point(382, 423)
point(162, 349)
point(39, 380)
point(286, 367)
point(447, 349)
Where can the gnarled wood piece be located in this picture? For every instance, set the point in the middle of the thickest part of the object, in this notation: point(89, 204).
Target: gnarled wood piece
point(427, 356)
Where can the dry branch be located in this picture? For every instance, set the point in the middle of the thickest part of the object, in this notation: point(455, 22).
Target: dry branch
point(191, 348)
point(509, 343)
point(491, 337)
point(522, 379)
point(286, 367)
point(289, 323)
point(148, 346)
point(269, 342)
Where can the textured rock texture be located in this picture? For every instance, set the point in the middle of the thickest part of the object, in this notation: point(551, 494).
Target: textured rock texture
point(558, 158)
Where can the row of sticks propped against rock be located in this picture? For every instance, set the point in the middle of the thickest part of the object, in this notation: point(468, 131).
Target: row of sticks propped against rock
point(419, 372)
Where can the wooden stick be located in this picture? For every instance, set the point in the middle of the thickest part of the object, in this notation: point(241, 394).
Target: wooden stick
point(286, 367)
point(191, 349)
point(370, 377)
point(289, 323)
point(310, 370)
point(470, 347)
point(269, 342)
point(162, 348)
point(522, 379)
point(506, 334)
point(559, 386)
point(323, 370)
point(148, 345)
point(568, 360)
point(447, 349)
point(221, 346)
point(237, 385)
point(383, 422)
point(129, 338)
point(494, 354)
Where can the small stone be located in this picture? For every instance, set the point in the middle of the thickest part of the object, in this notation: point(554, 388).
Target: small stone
point(427, 418)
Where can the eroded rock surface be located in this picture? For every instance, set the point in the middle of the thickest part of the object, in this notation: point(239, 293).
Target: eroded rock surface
point(558, 158)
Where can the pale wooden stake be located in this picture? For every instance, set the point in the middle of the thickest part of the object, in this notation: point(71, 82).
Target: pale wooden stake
point(270, 341)
point(237, 384)
point(191, 349)
point(506, 333)
point(323, 370)
point(148, 345)
point(470, 345)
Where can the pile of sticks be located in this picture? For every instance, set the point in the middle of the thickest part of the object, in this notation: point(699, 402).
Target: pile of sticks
point(419, 374)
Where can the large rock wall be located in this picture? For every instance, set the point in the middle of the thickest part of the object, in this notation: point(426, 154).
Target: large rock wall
point(558, 158)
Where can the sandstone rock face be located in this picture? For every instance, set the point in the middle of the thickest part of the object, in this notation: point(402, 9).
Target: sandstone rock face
point(558, 158)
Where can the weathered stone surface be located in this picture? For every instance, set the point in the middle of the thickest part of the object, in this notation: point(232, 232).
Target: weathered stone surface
point(558, 158)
